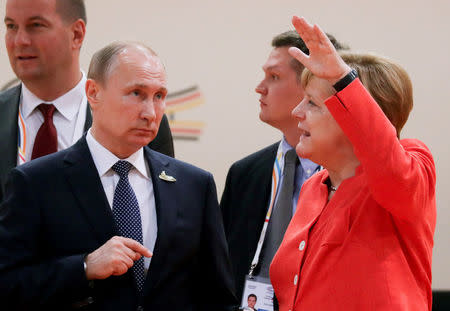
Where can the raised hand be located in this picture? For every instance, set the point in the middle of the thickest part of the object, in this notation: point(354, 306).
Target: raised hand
point(323, 60)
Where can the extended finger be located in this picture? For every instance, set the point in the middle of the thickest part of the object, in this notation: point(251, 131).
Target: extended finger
point(323, 38)
point(303, 28)
point(299, 55)
point(137, 247)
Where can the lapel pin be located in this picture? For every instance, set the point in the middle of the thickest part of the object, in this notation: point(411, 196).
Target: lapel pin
point(166, 177)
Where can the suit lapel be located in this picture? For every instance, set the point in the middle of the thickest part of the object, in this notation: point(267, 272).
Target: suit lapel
point(262, 183)
point(9, 110)
point(82, 175)
point(267, 163)
point(166, 212)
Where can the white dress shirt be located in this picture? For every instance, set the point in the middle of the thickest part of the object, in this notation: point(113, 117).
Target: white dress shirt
point(69, 116)
point(140, 180)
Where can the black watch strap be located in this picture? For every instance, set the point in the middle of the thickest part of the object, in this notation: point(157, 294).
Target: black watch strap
point(349, 77)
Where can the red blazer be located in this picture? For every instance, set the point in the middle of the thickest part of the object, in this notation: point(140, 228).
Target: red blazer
point(370, 246)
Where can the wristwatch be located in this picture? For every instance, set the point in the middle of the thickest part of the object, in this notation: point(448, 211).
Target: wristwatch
point(346, 80)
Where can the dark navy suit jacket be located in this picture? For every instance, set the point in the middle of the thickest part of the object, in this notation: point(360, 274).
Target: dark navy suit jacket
point(55, 211)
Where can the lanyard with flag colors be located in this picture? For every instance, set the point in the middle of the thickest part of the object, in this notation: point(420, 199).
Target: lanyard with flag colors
point(277, 172)
point(22, 139)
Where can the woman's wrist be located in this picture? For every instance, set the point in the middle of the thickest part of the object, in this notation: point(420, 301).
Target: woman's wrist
point(343, 72)
point(345, 80)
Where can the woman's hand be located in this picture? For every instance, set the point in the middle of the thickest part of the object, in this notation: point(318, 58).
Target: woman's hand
point(323, 60)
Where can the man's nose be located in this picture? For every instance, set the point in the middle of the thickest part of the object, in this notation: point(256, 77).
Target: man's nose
point(261, 88)
point(22, 37)
point(148, 111)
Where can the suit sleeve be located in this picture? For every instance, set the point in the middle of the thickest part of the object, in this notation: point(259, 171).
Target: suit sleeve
point(163, 141)
point(401, 174)
point(29, 275)
point(225, 202)
point(215, 268)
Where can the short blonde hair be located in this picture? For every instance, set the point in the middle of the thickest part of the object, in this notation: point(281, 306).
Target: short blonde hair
point(387, 82)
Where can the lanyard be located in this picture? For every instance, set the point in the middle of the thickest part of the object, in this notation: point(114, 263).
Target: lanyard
point(276, 174)
point(22, 139)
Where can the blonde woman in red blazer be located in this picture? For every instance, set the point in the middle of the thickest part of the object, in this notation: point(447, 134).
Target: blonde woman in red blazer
point(362, 236)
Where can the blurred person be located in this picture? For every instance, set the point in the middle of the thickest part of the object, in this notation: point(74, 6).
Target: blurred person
point(48, 111)
point(109, 224)
point(254, 184)
point(251, 302)
point(363, 238)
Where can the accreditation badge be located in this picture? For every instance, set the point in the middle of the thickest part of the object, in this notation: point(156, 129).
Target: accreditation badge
point(262, 289)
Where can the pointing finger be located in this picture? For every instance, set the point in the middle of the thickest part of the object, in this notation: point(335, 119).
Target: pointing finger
point(137, 247)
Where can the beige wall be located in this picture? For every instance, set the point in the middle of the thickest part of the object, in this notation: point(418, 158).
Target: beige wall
point(221, 45)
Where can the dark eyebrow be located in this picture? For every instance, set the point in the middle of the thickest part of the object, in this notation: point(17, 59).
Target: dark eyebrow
point(36, 17)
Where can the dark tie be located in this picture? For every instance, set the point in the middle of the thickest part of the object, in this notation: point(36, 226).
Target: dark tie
point(281, 215)
point(46, 141)
point(127, 216)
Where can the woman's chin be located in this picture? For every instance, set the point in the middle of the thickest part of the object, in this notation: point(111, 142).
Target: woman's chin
point(302, 151)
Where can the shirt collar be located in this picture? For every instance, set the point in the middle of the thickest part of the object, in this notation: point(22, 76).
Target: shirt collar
point(105, 159)
point(285, 147)
point(64, 104)
point(308, 166)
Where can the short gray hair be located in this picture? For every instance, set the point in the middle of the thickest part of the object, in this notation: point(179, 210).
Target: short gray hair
point(103, 60)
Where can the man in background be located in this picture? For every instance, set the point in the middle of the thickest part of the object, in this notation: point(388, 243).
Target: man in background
point(271, 177)
point(109, 224)
point(48, 111)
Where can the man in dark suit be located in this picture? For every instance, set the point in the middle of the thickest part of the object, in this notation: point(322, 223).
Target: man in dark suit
point(108, 224)
point(249, 184)
point(43, 39)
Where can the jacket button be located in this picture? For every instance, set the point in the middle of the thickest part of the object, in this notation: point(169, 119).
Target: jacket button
point(302, 245)
point(295, 279)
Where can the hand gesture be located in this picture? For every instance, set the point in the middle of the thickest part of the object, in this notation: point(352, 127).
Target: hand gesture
point(323, 60)
point(114, 257)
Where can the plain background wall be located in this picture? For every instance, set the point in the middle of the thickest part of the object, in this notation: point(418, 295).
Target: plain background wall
point(221, 45)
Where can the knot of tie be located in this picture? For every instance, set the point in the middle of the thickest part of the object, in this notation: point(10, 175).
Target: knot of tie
point(290, 157)
point(46, 140)
point(122, 168)
point(47, 111)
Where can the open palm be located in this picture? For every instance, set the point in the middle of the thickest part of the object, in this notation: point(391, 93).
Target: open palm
point(323, 60)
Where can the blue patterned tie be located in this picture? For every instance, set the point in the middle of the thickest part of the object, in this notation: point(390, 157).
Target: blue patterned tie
point(127, 216)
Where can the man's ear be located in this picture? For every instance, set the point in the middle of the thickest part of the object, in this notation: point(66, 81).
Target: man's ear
point(78, 32)
point(93, 93)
